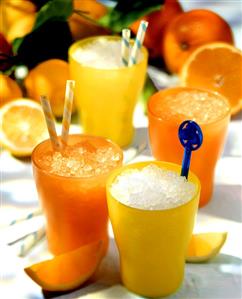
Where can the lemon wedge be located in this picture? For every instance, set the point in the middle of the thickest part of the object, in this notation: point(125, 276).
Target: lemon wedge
point(205, 246)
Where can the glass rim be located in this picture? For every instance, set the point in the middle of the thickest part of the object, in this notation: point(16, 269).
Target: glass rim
point(34, 162)
point(114, 37)
point(180, 119)
point(118, 171)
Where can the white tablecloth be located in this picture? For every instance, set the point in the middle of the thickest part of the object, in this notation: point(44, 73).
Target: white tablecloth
point(220, 278)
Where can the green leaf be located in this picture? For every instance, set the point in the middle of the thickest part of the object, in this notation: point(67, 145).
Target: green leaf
point(127, 11)
point(17, 43)
point(58, 10)
point(54, 9)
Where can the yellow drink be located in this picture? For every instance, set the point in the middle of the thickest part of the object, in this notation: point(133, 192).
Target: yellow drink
point(106, 97)
point(152, 243)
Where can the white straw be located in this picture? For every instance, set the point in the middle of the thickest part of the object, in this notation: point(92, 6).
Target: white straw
point(26, 217)
point(138, 42)
point(125, 46)
point(50, 121)
point(70, 85)
point(23, 246)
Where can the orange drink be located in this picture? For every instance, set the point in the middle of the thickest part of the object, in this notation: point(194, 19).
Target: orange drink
point(152, 211)
point(106, 91)
point(168, 108)
point(71, 188)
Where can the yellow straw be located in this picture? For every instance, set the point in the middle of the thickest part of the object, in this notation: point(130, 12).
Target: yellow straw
point(50, 121)
point(138, 42)
point(125, 46)
point(70, 85)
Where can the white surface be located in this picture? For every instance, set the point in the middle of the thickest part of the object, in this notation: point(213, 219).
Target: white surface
point(218, 279)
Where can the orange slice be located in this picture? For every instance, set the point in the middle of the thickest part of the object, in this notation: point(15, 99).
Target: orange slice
point(69, 270)
point(218, 67)
point(22, 126)
point(205, 246)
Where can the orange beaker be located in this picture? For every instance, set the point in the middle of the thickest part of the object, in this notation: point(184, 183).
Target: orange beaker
point(168, 108)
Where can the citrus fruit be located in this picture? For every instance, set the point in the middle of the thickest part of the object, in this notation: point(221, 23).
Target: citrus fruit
point(158, 20)
point(49, 78)
point(14, 10)
point(189, 30)
point(205, 246)
point(217, 67)
point(69, 270)
point(80, 25)
point(22, 126)
point(9, 89)
point(21, 27)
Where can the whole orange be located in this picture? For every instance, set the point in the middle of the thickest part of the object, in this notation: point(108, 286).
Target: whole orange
point(9, 89)
point(80, 25)
point(11, 11)
point(21, 27)
point(49, 78)
point(158, 20)
point(190, 30)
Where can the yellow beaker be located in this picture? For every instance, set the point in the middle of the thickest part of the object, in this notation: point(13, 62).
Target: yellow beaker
point(106, 98)
point(152, 243)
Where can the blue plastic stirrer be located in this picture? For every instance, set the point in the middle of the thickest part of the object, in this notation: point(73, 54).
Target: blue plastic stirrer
point(191, 138)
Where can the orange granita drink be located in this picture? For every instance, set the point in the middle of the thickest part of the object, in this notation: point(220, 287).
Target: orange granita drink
point(168, 108)
point(71, 188)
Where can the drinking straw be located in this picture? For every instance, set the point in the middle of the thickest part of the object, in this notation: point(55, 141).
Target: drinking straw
point(23, 246)
point(191, 138)
point(138, 42)
point(125, 46)
point(50, 121)
point(69, 95)
point(26, 217)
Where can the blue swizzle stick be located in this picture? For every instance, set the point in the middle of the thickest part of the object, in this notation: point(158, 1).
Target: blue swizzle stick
point(191, 138)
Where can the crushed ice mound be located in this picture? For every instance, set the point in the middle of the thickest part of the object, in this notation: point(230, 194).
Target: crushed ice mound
point(101, 54)
point(152, 188)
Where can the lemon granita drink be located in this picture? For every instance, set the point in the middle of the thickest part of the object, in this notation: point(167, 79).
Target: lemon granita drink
point(106, 90)
point(152, 211)
point(71, 188)
point(168, 108)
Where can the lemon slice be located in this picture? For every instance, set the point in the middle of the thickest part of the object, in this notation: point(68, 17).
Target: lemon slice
point(22, 126)
point(205, 246)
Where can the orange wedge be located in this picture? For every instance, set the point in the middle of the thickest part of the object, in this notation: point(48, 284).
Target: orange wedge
point(22, 126)
point(217, 67)
point(69, 270)
point(205, 246)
